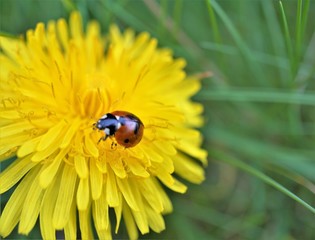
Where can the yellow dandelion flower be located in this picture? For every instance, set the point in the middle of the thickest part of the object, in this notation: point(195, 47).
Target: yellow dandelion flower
point(55, 85)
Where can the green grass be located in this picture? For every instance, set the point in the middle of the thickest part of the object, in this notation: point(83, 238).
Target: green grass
point(259, 106)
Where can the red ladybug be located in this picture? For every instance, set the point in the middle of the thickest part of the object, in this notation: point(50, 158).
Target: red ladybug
point(124, 126)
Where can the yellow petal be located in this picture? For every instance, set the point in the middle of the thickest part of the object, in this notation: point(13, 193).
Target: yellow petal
point(12, 142)
point(166, 147)
point(31, 207)
point(118, 213)
point(152, 194)
point(9, 114)
point(128, 194)
point(194, 151)
point(118, 167)
point(48, 174)
point(12, 210)
point(130, 223)
point(167, 204)
point(177, 186)
point(28, 147)
point(62, 29)
point(70, 133)
point(141, 220)
point(81, 165)
point(15, 128)
point(47, 210)
point(83, 194)
point(136, 168)
point(139, 216)
point(40, 32)
point(42, 155)
point(65, 197)
point(100, 212)
point(156, 221)
point(71, 226)
point(76, 25)
point(96, 180)
point(104, 233)
point(14, 48)
point(152, 154)
point(188, 169)
point(85, 225)
point(101, 164)
point(91, 146)
point(11, 175)
point(111, 190)
point(49, 137)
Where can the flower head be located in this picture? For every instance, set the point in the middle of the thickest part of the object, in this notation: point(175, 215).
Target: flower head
point(54, 86)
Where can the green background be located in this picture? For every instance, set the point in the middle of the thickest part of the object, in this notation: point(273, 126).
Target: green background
point(259, 106)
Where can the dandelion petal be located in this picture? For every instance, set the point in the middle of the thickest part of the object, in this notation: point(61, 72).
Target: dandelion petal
point(33, 202)
point(125, 189)
point(12, 211)
point(65, 197)
point(46, 213)
point(14, 173)
point(50, 136)
point(71, 226)
point(85, 225)
point(83, 194)
point(130, 223)
point(96, 179)
point(100, 212)
point(112, 191)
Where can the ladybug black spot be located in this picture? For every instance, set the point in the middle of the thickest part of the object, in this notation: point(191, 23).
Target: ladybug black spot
point(126, 140)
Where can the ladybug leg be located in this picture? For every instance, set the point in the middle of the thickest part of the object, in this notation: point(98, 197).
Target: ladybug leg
point(102, 138)
point(114, 145)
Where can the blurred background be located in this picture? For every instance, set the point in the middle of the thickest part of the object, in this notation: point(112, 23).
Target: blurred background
point(259, 106)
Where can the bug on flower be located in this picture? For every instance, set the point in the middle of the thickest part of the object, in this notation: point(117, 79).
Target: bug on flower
point(124, 126)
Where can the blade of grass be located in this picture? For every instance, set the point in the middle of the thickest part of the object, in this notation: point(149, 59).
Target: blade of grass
point(301, 21)
point(276, 37)
point(69, 5)
point(187, 46)
point(162, 19)
point(294, 56)
point(244, 50)
point(294, 160)
point(249, 169)
point(257, 56)
point(177, 13)
point(181, 37)
point(185, 229)
point(306, 70)
point(305, 12)
point(298, 31)
point(218, 219)
point(288, 40)
point(216, 33)
point(246, 95)
point(123, 14)
point(293, 176)
point(9, 35)
point(213, 23)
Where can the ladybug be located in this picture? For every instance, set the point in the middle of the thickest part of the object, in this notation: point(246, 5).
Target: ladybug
point(124, 126)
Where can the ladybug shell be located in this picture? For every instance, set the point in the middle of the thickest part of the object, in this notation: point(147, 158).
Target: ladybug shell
point(131, 130)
